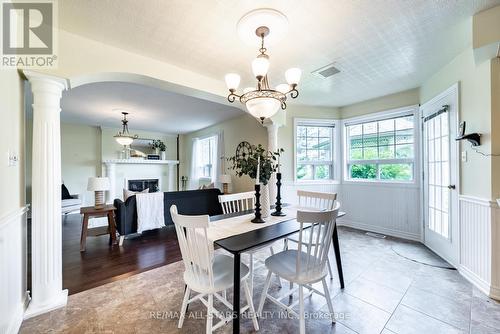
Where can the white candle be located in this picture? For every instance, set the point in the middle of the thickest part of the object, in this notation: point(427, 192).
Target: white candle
point(258, 171)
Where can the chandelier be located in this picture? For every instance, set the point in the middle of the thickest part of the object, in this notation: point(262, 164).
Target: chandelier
point(263, 102)
point(124, 137)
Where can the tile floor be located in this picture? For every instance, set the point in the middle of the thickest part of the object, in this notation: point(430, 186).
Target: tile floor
point(384, 293)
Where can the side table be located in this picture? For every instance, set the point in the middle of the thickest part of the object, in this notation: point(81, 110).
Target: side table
point(90, 212)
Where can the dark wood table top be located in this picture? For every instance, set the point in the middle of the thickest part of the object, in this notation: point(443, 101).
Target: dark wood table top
point(94, 210)
point(245, 241)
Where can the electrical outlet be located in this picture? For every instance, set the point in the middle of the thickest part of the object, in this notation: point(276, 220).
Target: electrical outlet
point(13, 158)
point(464, 156)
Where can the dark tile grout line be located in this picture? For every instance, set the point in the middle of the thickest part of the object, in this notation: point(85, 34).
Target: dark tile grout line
point(392, 314)
point(431, 316)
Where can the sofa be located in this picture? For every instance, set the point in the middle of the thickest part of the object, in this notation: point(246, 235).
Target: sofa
point(71, 205)
point(190, 202)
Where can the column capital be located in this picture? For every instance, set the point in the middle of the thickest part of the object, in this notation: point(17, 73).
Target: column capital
point(37, 77)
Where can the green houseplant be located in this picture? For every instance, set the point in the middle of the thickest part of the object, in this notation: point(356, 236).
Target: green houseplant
point(158, 146)
point(246, 164)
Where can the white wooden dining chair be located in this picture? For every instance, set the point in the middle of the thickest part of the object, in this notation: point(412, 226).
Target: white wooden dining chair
point(237, 202)
point(241, 202)
point(315, 201)
point(205, 273)
point(306, 264)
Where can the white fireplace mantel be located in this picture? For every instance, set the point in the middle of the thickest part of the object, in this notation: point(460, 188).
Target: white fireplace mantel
point(141, 161)
point(111, 170)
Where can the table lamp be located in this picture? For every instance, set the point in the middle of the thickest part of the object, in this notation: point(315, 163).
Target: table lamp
point(98, 185)
point(225, 179)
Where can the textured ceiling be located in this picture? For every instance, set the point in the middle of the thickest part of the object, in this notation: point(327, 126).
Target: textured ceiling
point(380, 46)
point(150, 108)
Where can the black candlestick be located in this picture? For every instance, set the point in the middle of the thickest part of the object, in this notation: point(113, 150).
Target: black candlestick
point(258, 218)
point(278, 212)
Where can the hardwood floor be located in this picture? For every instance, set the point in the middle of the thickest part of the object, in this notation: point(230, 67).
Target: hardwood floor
point(101, 263)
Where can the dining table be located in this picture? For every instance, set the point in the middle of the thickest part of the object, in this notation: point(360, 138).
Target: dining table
point(235, 233)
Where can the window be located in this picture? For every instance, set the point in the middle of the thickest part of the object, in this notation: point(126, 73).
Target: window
point(314, 150)
point(207, 157)
point(381, 150)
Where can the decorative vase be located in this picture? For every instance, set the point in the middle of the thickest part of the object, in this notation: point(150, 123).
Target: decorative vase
point(163, 155)
point(265, 201)
point(157, 151)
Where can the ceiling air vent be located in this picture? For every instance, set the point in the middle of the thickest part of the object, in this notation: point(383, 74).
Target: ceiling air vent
point(326, 71)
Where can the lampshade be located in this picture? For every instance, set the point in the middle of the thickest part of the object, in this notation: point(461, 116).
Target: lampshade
point(232, 80)
point(260, 65)
point(225, 178)
point(292, 75)
point(263, 107)
point(124, 140)
point(98, 184)
point(283, 88)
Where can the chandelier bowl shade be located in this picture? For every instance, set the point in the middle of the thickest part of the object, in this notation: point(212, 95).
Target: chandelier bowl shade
point(263, 107)
point(124, 140)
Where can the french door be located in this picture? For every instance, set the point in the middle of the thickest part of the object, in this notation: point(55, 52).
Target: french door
point(440, 175)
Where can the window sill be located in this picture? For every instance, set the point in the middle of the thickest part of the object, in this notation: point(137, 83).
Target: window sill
point(378, 183)
point(313, 182)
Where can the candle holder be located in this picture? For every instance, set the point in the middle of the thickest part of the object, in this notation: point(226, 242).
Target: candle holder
point(258, 218)
point(278, 211)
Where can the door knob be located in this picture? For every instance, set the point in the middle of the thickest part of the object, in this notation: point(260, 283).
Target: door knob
point(451, 186)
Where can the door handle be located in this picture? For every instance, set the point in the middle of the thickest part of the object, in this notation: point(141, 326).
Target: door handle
point(451, 186)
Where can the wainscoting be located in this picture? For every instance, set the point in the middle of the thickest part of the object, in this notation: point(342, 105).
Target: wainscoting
point(388, 209)
point(289, 189)
point(13, 255)
point(480, 244)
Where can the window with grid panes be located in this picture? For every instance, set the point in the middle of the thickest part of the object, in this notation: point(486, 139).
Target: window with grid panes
point(314, 150)
point(381, 150)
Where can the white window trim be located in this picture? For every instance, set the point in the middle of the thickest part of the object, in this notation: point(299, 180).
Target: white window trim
point(202, 177)
point(391, 113)
point(335, 154)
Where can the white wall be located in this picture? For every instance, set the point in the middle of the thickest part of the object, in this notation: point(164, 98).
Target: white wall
point(80, 158)
point(12, 204)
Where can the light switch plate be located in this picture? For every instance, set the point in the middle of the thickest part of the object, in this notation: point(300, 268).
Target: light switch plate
point(13, 158)
point(464, 156)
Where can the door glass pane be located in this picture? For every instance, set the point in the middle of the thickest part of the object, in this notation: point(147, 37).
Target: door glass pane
point(436, 141)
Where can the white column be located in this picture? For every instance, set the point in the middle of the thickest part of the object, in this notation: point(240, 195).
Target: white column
point(47, 293)
point(110, 173)
point(272, 145)
point(171, 177)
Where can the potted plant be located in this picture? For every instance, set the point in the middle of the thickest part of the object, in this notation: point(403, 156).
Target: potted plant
point(246, 164)
point(159, 147)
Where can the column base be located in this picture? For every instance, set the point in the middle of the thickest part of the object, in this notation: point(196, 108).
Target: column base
point(56, 302)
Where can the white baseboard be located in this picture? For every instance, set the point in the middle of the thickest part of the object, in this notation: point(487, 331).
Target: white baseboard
point(379, 229)
point(478, 282)
point(56, 302)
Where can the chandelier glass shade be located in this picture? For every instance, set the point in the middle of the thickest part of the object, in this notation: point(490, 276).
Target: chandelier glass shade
point(263, 102)
point(124, 137)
